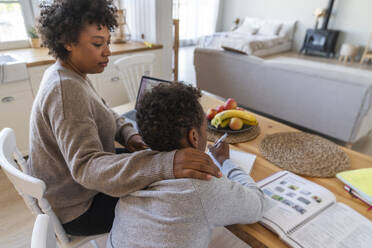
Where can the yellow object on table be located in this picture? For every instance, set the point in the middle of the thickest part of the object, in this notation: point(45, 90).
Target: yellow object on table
point(359, 180)
point(147, 44)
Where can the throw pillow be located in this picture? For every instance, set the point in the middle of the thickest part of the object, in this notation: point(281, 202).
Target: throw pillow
point(269, 28)
point(287, 29)
point(246, 29)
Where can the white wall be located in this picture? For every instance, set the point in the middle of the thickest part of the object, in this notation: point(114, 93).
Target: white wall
point(352, 17)
point(164, 34)
point(163, 27)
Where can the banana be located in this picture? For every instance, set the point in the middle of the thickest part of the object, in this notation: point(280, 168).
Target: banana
point(225, 122)
point(247, 118)
point(246, 122)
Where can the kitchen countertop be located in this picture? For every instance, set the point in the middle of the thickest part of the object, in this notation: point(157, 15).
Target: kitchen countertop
point(39, 56)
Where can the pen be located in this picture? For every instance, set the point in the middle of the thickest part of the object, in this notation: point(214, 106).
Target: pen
point(221, 139)
point(356, 195)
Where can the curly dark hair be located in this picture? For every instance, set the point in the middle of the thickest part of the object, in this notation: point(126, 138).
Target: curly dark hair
point(61, 21)
point(167, 113)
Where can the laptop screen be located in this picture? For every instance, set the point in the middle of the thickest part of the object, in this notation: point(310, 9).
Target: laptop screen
point(147, 83)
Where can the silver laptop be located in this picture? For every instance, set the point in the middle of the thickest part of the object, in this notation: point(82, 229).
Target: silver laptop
point(147, 83)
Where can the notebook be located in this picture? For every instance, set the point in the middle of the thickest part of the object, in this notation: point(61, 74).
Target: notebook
point(146, 84)
point(307, 215)
point(359, 181)
point(244, 160)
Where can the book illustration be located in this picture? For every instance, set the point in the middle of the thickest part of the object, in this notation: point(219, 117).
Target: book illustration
point(317, 199)
point(305, 192)
point(294, 194)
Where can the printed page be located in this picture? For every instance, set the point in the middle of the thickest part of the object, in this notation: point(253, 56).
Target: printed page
point(294, 199)
point(337, 227)
point(244, 160)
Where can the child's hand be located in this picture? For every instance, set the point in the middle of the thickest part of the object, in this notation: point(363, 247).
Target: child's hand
point(221, 152)
point(136, 143)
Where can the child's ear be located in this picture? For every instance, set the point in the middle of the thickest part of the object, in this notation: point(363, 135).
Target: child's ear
point(68, 47)
point(193, 138)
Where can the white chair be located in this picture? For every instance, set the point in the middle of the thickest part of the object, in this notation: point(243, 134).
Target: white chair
point(132, 68)
point(43, 234)
point(32, 190)
point(367, 54)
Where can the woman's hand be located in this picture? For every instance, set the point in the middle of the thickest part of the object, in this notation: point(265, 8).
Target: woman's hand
point(192, 163)
point(221, 152)
point(136, 143)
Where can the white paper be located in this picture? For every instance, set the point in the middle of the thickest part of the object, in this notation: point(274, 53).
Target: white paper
point(337, 227)
point(244, 160)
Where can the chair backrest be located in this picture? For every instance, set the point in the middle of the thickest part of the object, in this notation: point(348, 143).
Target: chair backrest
point(43, 234)
point(30, 188)
point(369, 42)
point(25, 185)
point(132, 68)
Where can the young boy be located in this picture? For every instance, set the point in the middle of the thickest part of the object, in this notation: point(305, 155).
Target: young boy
point(182, 212)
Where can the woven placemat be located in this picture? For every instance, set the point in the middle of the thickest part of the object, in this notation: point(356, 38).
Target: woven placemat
point(233, 138)
point(304, 154)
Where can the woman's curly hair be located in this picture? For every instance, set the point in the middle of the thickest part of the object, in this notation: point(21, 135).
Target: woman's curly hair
point(167, 113)
point(61, 21)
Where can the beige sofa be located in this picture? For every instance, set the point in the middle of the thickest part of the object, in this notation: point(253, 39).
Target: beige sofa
point(330, 99)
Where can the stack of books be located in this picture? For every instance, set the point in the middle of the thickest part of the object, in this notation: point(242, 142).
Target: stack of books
point(358, 183)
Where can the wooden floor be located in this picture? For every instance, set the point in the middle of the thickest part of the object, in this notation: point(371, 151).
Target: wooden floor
point(16, 221)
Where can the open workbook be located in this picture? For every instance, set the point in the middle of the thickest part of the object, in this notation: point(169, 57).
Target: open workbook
point(306, 215)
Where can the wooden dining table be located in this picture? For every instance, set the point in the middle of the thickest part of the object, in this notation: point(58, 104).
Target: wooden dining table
point(255, 234)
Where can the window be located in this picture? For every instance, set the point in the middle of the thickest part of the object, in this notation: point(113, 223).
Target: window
point(11, 21)
point(197, 18)
point(16, 17)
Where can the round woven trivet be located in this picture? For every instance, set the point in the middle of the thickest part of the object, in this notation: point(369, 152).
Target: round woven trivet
point(233, 138)
point(304, 154)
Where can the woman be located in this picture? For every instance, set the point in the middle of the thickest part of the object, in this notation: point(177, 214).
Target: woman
point(73, 131)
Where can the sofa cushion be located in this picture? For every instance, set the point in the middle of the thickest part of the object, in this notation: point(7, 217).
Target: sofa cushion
point(255, 22)
point(287, 29)
point(247, 28)
point(270, 28)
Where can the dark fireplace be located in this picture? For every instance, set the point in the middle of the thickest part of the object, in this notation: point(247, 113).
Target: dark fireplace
point(321, 41)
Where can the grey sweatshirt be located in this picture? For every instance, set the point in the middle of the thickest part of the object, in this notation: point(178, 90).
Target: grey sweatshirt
point(183, 212)
point(72, 135)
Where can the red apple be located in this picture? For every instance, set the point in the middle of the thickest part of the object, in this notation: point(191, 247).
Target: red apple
point(230, 104)
point(236, 123)
point(211, 113)
point(220, 108)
